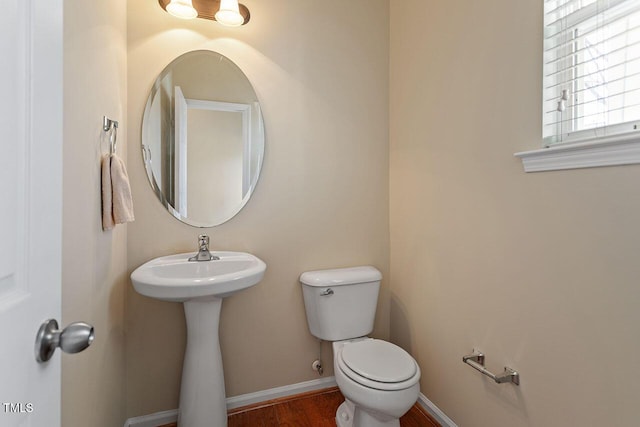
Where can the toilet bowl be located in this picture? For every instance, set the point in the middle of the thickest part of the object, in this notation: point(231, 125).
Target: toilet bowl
point(379, 380)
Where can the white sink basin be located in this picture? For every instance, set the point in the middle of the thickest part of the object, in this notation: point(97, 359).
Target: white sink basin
point(174, 278)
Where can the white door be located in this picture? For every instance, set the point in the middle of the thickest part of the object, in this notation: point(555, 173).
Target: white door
point(180, 152)
point(30, 207)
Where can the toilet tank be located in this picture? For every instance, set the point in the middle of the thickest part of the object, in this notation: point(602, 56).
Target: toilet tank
point(341, 303)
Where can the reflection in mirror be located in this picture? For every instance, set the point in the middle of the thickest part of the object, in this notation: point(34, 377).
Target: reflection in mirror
point(203, 138)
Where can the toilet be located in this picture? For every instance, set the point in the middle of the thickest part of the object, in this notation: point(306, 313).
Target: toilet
point(379, 380)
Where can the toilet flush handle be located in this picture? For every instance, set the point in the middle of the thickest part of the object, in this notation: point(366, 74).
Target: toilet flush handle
point(327, 292)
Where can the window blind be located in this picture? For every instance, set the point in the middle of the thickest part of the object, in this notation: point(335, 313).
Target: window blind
point(591, 69)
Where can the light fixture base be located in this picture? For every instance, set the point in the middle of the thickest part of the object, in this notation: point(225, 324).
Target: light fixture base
point(207, 9)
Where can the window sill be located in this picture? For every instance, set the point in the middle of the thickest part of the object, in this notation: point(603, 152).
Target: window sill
point(610, 151)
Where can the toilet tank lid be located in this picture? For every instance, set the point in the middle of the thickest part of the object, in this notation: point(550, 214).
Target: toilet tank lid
point(341, 276)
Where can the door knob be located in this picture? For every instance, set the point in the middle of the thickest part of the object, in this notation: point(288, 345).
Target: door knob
point(72, 339)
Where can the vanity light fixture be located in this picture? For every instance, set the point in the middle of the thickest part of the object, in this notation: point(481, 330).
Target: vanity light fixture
point(226, 12)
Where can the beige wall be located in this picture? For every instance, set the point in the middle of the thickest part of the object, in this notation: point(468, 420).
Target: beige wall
point(94, 263)
point(216, 138)
point(321, 202)
point(539, 271)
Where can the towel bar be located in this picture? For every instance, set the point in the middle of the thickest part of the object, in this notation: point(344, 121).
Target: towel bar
point(107, 123)
point(476, 361)
point(111, 125)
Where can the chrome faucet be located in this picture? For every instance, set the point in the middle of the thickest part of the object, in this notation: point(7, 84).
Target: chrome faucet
point(203, 251)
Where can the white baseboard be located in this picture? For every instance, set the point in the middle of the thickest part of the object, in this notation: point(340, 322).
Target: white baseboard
point(166, 417)
point(435, 412)
point(153, 420)
point(275, 393)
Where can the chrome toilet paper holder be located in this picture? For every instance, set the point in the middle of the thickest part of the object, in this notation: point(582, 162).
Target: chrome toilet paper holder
point(476, 361)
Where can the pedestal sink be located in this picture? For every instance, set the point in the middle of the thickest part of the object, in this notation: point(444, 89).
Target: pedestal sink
point(201, 286)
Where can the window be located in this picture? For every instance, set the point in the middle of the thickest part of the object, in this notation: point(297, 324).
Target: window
point(591, 68)
point(591, 84)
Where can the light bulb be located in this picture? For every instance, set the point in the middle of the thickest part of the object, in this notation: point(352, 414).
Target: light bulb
point(182, 9)
point(229, 13)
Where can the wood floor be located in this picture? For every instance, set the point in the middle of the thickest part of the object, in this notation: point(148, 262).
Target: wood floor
point(314, 409)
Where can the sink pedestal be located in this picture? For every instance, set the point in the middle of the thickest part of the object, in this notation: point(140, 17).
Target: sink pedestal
point(202, 396)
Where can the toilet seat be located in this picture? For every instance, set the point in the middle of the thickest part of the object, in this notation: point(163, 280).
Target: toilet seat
point(378, 364)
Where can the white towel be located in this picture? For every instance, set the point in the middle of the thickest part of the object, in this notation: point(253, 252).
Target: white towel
point(117, 204)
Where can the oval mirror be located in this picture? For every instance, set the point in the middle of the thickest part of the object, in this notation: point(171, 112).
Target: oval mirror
point(202, 138)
